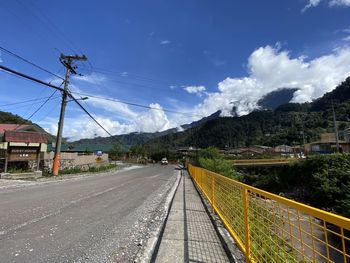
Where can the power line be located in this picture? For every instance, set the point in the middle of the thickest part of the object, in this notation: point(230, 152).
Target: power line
point(29, 62)
point(5, 108)
point(25, 101)
point(35, 32)
point(56, 88)
point(76, 101)
point(136, 104)
point(133, 76)
point(39, 108)
point(8, 70)
point(46, 22)
point(92, 117)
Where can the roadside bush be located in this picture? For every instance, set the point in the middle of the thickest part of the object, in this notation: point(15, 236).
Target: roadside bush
point(320, 180)
point(92, 169)
point(330, 182)
point(211, 159)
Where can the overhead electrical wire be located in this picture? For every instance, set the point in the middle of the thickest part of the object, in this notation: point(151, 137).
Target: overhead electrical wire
point(7, 108)
point(89, 114)
point(29, 62)
point(135, 104)
point(138, 81)
point(33, 31)
point(39, 108)
point(25, 101)
point(131, 75)
point(56, 88)
point(22, 75)
point(47, 22)
point(13, 72)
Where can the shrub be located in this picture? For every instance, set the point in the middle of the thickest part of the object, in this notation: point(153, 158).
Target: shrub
point(211, 159)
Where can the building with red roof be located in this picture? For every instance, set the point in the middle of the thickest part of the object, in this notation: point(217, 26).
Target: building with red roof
point(21, 144)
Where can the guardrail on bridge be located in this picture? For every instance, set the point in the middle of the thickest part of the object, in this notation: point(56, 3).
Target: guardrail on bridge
point(271, 228)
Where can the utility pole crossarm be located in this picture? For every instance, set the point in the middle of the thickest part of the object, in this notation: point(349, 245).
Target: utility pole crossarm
point(67, 61)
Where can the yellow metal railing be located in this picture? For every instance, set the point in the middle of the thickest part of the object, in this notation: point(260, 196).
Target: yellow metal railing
point(271, 228)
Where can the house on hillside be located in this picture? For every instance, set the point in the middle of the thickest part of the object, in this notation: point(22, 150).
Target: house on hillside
point(251, 150)
point(283, 149)
point(347, 135)
point(327, 144)
point(21, 146)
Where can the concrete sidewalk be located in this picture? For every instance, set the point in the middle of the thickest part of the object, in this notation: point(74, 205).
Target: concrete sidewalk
point(189, 235)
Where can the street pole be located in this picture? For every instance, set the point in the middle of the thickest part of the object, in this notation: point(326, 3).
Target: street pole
point(67, 62)
point(335, 129)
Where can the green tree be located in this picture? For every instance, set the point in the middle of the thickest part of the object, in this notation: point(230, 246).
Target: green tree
point(117, 151)
point(211, 160)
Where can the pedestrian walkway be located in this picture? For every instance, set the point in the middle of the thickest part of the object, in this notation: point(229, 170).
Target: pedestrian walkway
point(189, 235)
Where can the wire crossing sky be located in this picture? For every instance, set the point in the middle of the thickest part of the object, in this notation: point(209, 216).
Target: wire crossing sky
point(179, 60)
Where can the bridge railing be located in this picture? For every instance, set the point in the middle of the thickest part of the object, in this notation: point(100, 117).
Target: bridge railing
point(271, 228)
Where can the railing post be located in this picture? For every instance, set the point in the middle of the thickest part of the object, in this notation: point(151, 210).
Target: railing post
point(246, 223)
point(212, 192)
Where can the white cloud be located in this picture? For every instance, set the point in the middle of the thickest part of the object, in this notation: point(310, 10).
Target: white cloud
point(93, 78)
point(271, 69)
point(339, 3)
point(165, 42)
point(331, 3)
point(82, 126)
point(111, 106)
point(311, 3)
point(152, 120)
point(194, 89)
point(346, 38)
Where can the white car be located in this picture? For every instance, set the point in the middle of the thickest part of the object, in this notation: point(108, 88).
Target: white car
point(164, 161)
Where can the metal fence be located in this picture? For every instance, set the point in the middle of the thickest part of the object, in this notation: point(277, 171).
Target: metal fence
point(271, 228)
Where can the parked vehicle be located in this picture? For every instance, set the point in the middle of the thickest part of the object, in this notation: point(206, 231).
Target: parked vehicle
point(164, 161)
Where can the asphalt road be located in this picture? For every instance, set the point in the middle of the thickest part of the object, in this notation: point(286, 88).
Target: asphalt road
point(100, 218)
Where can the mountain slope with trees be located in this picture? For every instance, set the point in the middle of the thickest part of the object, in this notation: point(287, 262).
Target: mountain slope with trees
point(9, 118)
point(284, 125)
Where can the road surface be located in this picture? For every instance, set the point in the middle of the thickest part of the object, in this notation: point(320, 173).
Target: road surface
point(100, 218)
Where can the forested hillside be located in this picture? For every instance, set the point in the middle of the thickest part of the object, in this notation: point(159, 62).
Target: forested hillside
point(285, 125)
point(7, 117)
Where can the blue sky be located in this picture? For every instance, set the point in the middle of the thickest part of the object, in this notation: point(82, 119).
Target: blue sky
point(194, 57)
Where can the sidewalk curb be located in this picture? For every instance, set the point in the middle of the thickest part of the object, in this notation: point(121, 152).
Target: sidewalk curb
point(146, 255)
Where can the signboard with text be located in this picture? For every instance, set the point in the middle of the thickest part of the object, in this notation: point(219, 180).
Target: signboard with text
point(23, 153)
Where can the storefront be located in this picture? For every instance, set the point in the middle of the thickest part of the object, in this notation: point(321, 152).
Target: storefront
point(23, 148)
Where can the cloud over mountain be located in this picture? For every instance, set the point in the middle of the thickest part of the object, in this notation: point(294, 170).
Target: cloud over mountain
point(270, 69)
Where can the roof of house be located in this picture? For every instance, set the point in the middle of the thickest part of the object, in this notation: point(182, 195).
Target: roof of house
point(11, 127)
point(25, 136)
point(329, 142)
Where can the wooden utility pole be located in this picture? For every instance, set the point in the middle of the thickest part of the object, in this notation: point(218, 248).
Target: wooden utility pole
point(335, 129)
point(67, 62)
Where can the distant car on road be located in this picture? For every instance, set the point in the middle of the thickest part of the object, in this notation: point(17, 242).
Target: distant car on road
point(164, 161)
